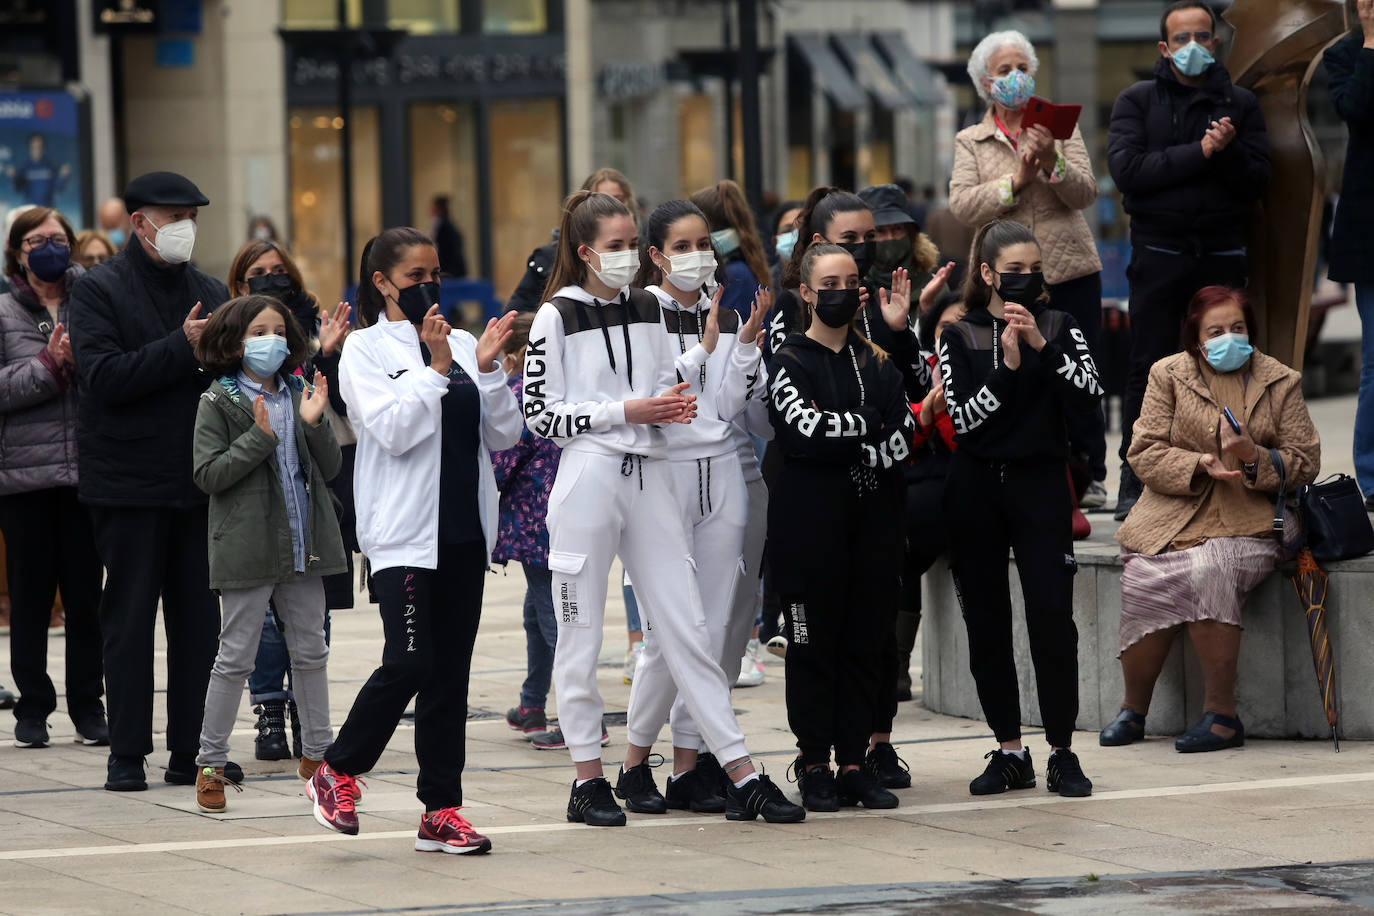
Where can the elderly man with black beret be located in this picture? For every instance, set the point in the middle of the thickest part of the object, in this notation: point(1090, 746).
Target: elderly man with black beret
point(135, 321)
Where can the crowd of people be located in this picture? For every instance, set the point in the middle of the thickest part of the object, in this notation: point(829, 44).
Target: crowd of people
point(778, 425)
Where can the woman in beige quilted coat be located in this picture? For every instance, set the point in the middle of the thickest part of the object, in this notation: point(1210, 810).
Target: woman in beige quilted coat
point(1201, 537)
point(1004, 172)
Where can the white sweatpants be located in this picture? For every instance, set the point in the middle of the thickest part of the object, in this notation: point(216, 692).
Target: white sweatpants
point(713, 499)
point(748, 594)
point(600, 506)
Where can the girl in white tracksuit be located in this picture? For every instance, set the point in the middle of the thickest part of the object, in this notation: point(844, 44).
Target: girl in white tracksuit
point(599, 380)
point(717, 355)
point(427, 403)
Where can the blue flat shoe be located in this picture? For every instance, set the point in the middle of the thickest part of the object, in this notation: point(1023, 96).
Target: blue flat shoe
point(1201, 738)
point(1127, 727)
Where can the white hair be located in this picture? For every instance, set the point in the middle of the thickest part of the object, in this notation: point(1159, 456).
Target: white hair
point(978, 60)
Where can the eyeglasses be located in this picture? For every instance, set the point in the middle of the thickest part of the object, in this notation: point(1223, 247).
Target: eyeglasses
point(38, 241)
point(1182, 38)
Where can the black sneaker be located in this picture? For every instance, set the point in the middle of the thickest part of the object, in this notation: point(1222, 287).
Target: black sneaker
point(713, 775)
point(693, 791)
point(817, 786)
point(859, 787)
point(760, 796)
point(1064, 775)
point(1005, 771)
point(1128, 493)
point(887, 768)
point(270, 744)
point(182, 769)
point(529, 722)
point(593, 804)
point(91, 728)
point(553, 740)
point(31, 732)
point(125, 774)
point(7, 699)
point(636, 787)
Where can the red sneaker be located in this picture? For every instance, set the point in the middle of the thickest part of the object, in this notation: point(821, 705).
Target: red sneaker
point(335, 798)
point(448, 831)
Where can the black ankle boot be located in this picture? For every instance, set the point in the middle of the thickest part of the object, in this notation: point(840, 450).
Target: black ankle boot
point(270, 744)
point(295, 717)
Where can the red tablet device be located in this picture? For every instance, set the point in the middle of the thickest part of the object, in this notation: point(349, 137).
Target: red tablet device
point(1060, 119)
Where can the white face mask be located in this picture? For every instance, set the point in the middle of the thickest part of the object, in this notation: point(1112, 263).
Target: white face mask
point(618, 268)
point(691, 269)
point(174, 241)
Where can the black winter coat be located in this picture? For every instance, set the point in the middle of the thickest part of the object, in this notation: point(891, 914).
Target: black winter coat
point(138, 379)
point(1350, 71)
point(529, 294)
point(1174, 194)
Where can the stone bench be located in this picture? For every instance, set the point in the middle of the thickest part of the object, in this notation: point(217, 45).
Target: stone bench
point(1276, 688)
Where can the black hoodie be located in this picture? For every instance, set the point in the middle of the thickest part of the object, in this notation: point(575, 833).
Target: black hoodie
point(839, 410)
point(1002, 414)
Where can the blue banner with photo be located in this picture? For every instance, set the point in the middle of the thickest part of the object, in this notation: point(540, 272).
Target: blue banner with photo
point(40, 152)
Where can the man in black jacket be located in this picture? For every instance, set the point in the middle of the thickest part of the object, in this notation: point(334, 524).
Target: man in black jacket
point(135, 322)
point(1189, 153)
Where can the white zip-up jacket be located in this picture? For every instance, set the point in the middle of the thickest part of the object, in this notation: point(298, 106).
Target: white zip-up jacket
point(393, 401)
point(585, 359)
point(731, 372)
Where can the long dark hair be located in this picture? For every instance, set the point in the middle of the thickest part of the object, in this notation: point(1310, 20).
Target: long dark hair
point(583, 212)
point(726, 207)
point(821, 206)
point(991, 240)
point(382, 253)
point(664, 217)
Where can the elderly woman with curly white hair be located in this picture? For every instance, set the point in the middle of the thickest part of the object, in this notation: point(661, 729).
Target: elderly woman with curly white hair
point(1004, 172)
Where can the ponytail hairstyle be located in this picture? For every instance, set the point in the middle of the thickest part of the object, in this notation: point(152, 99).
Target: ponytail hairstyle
point(664, 217)
point(583, 212)
point(617, 176)
point(988, 244)
point(726, 208)
point(382, 253)
point(808, 262)
point(821, 206)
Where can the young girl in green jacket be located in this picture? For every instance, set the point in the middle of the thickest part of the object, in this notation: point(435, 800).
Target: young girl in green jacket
point(263, 451)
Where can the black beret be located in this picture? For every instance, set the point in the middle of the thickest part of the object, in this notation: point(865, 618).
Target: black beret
point(162, 189)
point(888, 203)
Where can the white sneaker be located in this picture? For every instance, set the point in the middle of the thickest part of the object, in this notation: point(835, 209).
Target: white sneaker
point(1095, 497)
point(778, 646)
point(751, 668)
point(632, 657)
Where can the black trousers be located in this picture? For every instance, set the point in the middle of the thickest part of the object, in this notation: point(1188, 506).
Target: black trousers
point(838, 569)
point(1025, 507)
point(152, 553)
point(1082, 298)
point(49, 545)
point(429, 618)
point(1162, 282)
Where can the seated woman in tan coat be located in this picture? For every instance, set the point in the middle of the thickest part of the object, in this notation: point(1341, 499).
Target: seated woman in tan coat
point(1202, 535)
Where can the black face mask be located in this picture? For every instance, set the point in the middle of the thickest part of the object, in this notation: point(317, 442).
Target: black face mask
point(415, 301)
point(863, 254)
point(888, 256)
point(1023, 289)
point(278, 286)
point(836, 307)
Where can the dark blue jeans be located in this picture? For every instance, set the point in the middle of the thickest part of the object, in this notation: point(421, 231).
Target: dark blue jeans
point(541, 636)
point(1364, 407)
point(271, 677)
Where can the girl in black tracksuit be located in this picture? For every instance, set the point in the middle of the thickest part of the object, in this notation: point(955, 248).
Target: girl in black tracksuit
point(835, 528)
point(1011, 370)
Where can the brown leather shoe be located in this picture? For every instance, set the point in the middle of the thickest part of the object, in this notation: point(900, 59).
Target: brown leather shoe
point(307, 767)
point(210, 783)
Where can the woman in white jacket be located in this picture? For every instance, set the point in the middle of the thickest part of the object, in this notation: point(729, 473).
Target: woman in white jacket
point(427, 403)
point(599, 380)
point(717, 355)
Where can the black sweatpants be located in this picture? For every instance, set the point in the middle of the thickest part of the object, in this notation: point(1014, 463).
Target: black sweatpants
point(152, 553)
point(838, 568)
point(1025, 507)
point(49, 545)
point(429, 618)
point(1162, 281)
point(1082, 298)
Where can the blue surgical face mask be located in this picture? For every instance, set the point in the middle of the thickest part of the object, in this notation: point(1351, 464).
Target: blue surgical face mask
point(117, 236)
point(1228, 352)
point(1192, 59)
point(725, 241)
point(264, 355)
point(1013, 91)
point(784, 244)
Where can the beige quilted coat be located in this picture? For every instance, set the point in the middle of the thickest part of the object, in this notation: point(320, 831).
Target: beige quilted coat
point(983, 156)
point(1178, 424)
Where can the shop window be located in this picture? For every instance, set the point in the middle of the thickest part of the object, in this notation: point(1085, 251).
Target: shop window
point(318, 14)
point(317, 191)
point(799, 167)
point(879, 167)
point(443, 163)
point(526, 181)
point(515, 17)
point(423, 17)
point(697, 140)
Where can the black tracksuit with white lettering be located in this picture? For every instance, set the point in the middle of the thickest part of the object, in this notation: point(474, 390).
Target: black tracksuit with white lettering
point(836, 534)
point(1008, 488)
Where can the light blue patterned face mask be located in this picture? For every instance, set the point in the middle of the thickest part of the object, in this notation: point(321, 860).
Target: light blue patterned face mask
point(784, 244)
point(1014, 90)
point(1228, 352)
point(1193, 59)
point(725, 241)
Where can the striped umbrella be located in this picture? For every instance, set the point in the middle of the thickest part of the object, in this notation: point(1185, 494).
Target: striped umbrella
point(1310, 583)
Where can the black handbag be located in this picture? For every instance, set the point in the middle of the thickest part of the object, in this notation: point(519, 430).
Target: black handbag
point(1334, 519)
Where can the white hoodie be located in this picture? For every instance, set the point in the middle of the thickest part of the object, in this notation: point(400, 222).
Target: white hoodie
point(393, 402)
point(585, 360)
